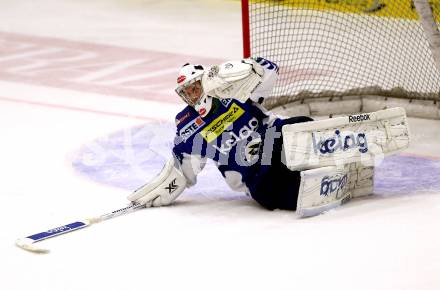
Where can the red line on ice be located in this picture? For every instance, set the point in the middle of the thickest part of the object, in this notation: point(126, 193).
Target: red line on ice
point(89, 67)
point(70, 108)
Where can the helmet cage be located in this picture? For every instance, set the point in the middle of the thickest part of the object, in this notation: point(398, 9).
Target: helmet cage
point(181, 91)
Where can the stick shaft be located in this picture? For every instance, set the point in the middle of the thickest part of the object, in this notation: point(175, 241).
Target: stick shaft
point(131, 208)
point(26, 243)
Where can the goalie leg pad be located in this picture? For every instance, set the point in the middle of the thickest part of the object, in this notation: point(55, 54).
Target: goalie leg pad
point(365, 138)
point(361, 178)
point(326, 188)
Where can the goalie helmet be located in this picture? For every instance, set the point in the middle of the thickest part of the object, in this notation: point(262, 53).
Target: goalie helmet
point(190, 88)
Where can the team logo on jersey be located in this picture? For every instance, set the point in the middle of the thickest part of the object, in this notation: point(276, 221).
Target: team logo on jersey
point(192, 127)
point(230, 139)
point(252, 149)
point(221, 123)
point(250, 152)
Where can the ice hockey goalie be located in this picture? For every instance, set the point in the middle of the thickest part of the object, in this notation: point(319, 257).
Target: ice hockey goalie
point(282, 163)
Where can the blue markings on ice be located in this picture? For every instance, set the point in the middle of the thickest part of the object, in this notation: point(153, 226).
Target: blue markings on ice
point(126, 158)
point(131, 157)
point(407, 174)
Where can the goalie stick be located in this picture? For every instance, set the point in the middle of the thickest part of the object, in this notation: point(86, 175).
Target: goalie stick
point(27, 242)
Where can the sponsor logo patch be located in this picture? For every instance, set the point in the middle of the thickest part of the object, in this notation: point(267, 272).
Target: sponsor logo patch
point(59, 229)
point(183, 118)
point(181, 79)
point(202, 111)
point(213, 72)
point(225, 102)
point(333, 184)
point(358, 118)
point(191, 128)
point(243, 134)
point(172, 187)
point(229, 65)
point(221, 123)
point(340, 142)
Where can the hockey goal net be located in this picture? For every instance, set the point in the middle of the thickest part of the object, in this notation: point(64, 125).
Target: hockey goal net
point(358, 52)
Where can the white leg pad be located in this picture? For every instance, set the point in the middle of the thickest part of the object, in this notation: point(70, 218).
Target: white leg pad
point(362, 178)
point(365, 138)
point(325, 188)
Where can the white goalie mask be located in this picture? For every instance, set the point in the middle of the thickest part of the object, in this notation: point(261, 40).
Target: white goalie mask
point(190, 88)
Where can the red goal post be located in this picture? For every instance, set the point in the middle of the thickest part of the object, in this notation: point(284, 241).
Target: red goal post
point(365, 54)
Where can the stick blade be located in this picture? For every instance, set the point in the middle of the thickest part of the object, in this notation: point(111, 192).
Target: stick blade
point(27, 245)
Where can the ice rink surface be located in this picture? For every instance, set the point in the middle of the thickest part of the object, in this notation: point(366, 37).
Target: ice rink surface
point(86, 114)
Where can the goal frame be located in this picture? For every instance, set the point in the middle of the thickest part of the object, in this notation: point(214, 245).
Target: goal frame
point(364, 99)
point(245, 28)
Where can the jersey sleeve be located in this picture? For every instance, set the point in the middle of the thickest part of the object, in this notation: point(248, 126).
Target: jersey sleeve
point(269, 78)
point(191, 163)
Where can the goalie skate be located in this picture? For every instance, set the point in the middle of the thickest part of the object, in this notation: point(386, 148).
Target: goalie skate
point(365, 138)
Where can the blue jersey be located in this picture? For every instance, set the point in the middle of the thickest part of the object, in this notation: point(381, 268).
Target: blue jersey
point(237, 136)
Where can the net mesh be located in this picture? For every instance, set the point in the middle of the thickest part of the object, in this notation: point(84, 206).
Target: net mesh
point(333, 48)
